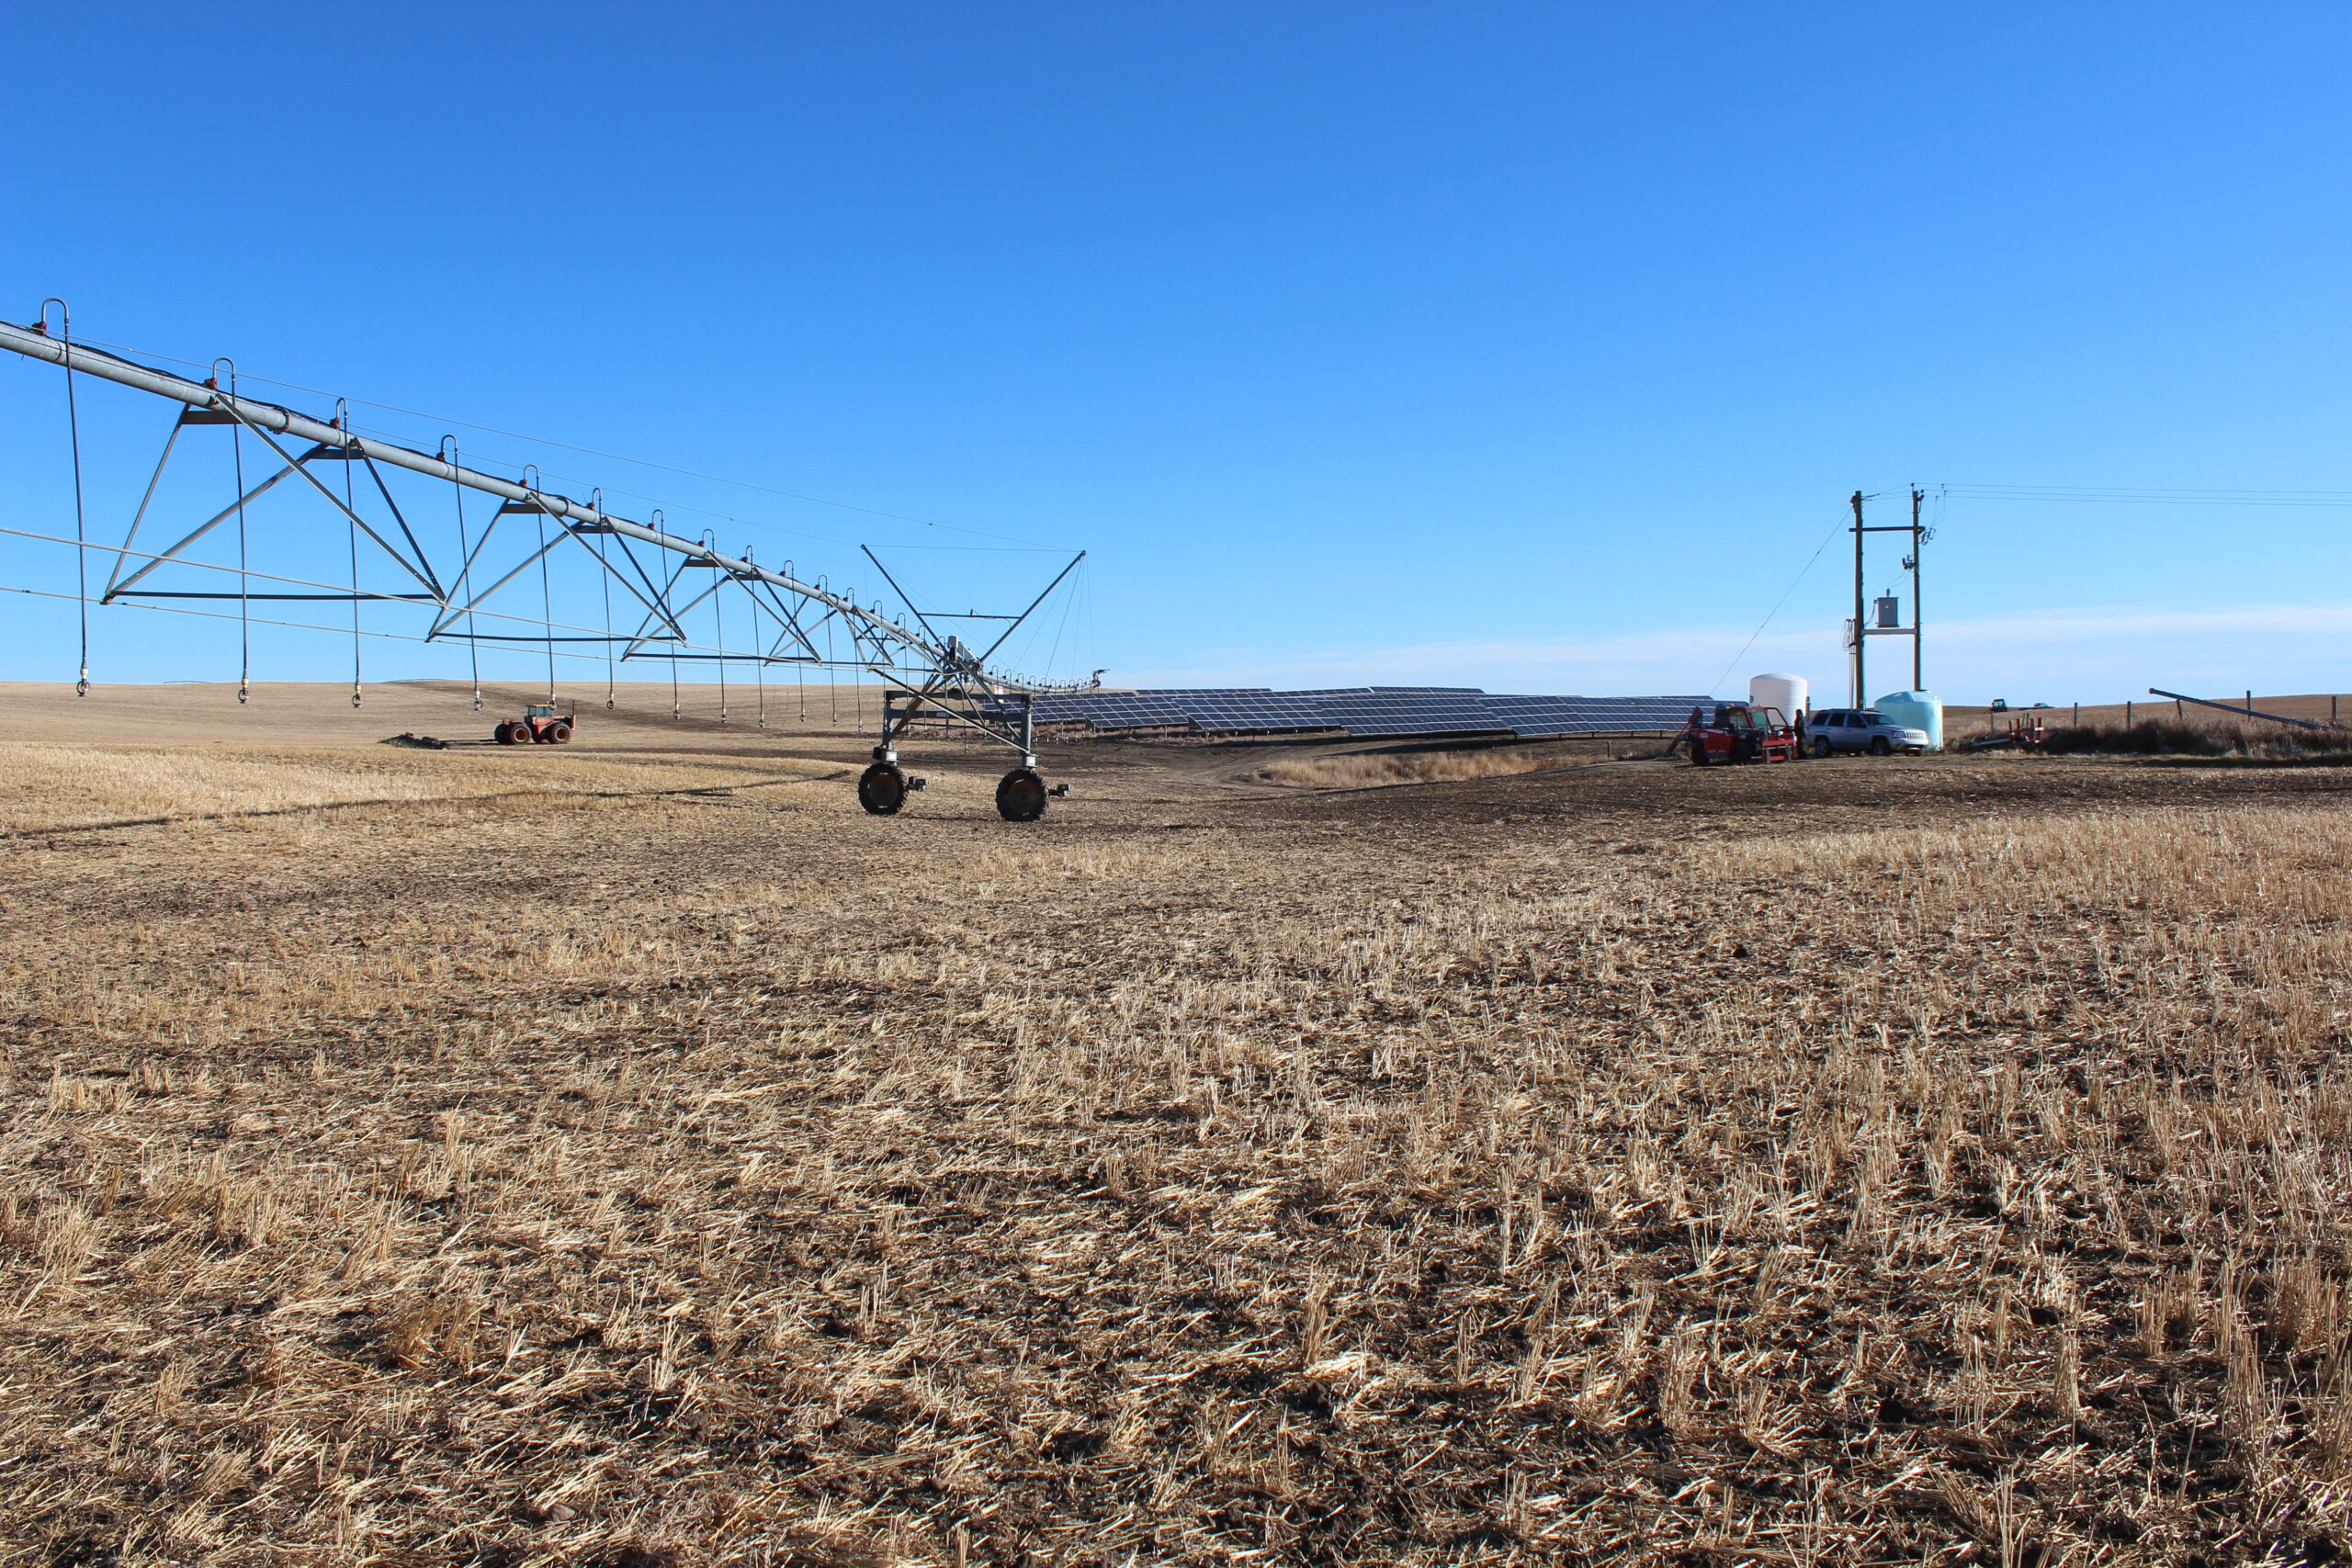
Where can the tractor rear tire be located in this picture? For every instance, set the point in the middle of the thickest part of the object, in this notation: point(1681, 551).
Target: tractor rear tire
point(1021, 796)
point(559, 732)
point(882, 789)
point(505, 733)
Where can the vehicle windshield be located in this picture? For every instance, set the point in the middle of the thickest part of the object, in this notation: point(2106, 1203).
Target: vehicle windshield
point(1735, 719)
point(1873, 716)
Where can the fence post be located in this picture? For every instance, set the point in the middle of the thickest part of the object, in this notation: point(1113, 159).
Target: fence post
point(2127, 713)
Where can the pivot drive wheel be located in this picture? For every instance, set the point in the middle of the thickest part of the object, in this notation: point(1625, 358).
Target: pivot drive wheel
point(882, 789)
point(1021, 796)
point(1821, 746)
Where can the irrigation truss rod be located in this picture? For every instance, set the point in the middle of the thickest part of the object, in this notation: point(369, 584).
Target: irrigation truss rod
point(882, 646)
point(267, 621)
point(340, 594)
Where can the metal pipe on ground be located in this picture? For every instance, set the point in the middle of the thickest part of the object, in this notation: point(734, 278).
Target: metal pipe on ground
point(2246, 712)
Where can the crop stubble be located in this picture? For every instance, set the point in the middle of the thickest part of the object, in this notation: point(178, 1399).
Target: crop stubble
point(1826, 1165)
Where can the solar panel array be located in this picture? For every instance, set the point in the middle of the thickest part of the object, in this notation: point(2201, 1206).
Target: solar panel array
point(1371, 711)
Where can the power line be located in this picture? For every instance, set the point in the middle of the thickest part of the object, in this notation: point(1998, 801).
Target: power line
point(1835, 529)
point(2118, 495)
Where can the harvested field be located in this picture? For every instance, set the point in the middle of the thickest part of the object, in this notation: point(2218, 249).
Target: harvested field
point(636, 1154)
point(1332, 768)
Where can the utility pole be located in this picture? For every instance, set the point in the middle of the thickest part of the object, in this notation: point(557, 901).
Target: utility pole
point(1919, 617)
point(1890, 624)
point(1859, 700)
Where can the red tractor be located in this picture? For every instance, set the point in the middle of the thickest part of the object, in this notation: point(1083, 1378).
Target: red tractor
point(1736, 732)
point(540, 725)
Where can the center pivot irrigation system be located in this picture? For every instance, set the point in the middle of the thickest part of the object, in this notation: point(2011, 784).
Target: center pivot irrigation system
point(933, 676)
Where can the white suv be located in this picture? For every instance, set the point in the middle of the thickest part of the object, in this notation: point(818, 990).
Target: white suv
point(1832, 730)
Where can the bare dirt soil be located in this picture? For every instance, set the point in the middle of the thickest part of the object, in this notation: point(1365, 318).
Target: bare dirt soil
point(632, 1154)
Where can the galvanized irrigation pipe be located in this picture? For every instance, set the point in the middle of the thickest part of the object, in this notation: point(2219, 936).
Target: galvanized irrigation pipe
point(36, 345)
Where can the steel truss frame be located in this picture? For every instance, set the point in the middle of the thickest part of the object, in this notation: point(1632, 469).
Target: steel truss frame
point(948, 679)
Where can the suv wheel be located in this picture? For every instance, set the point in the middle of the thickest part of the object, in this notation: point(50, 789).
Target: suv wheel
point(1821, 746)
point(1879, 748)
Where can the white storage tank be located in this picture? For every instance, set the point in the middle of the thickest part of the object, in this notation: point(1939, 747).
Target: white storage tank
point(1915, 710)
point(1787, 692)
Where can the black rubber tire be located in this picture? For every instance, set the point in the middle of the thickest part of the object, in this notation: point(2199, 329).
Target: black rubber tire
point(1021, 796)
point(1698, 754)
point(1821, 747)
point(1879, 747)
point(559, 732)
point(882, 789)
point(505, 733)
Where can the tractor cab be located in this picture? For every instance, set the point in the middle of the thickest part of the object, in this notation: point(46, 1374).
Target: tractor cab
point(1736, 715)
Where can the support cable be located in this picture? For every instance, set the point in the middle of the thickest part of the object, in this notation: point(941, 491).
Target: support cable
point(718, 624)
point(351, 526)
point(319, 627)
point(596, 501)
point(760, 669)
point(832, 678)
point(546, 590)
point(244, 594)
point(547, 606)
point(81, 532)
point(1839, 528)
point(465, 568)
point(677, 632)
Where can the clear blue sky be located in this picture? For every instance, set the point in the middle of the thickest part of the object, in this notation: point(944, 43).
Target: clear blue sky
point(1528, 346)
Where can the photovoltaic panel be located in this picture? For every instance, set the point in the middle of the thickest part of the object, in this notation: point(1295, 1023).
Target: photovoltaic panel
point(1263, 716)
point(1128, 710)
point(1384, 711)
point(1461, 719)
point(1530, 717)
